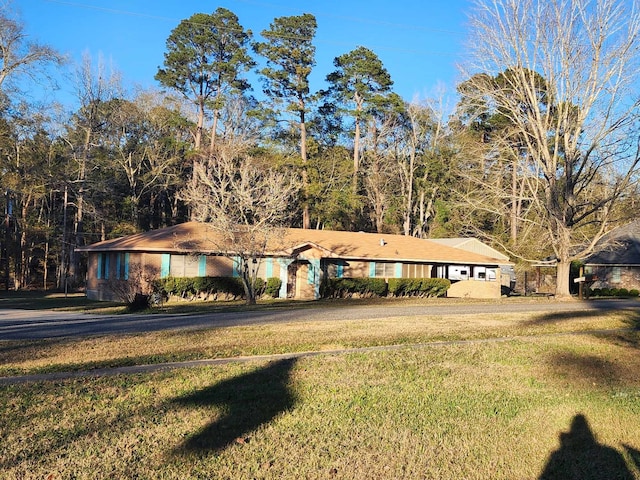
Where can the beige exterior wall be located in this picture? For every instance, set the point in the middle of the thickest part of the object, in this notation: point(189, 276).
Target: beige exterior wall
point(219, 266)
point(475, 289)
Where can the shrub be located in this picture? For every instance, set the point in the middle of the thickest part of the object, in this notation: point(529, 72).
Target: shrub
point(140, 302)
point(346, 287)
point(191, 286)
point(423, 287)
point(273, 286)
point(622, 292)
point(634, 292)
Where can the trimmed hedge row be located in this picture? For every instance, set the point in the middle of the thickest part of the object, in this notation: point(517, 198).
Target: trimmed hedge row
point(378, 287)
point(347, 287)
point(614, 292)
point(186, 287)
point(419, 287)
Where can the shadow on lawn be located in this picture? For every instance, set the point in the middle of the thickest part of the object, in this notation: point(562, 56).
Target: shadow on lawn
point(247, 402)
point(596, 309)
point(581, 457)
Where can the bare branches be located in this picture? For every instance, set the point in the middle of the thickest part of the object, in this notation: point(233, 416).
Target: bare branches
point(19, 55)
point(562, 76)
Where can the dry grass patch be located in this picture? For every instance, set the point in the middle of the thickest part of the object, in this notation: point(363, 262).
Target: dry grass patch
point(472, 411)
point(169, 346)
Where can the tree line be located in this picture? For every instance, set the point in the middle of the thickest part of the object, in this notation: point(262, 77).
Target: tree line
point(539, 156)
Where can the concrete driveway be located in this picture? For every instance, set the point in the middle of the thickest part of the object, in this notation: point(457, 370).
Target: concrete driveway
point(23, 324)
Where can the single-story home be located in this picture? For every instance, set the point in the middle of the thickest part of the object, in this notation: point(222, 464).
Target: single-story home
point(616, 260)
point(300, 258)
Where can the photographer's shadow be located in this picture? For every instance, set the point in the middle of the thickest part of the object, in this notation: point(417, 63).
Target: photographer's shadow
point(581, 457)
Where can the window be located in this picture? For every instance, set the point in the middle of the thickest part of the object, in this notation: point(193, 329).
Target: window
point(615, 275)
point(184, 266)
point(122, 266)
point(385, 270)
point(103, 266)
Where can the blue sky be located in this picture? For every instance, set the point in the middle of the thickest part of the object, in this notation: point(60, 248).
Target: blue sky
point(420, 42)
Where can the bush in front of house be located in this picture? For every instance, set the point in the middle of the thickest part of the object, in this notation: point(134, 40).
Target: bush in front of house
point(189, 287)
point(614, 292)
point(349, 287)
point(418, 287)
point(272, 288)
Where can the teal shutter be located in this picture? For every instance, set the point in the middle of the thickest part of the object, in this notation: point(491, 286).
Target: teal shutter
point(107, 257)
point(126, 266)
point(268, 267)
point(236, 266)
point(99, 274)
point(339, 270)
point(398, 270)
point(202, 266)
point(118, 260)
point(165, 265)
point(372, 269)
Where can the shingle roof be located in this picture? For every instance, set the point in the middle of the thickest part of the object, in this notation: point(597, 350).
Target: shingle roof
point(472, 244)
point(201, 238)
point(620, 247)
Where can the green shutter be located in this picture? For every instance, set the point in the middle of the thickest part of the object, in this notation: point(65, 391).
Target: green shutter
point(372, 269)
point(165, 265)
point(202, 266)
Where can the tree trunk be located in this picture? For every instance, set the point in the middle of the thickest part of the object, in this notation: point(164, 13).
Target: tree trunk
point(306, 217)
point(214, 129)
point(562, 278)
point(356, 156)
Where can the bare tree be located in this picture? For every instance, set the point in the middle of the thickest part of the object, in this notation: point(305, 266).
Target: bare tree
point(577, 145)
point(95, 88)
point(18, 54)
point(246, 204)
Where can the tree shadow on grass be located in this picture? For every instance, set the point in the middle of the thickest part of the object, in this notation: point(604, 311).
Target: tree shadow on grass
point(632, 316)
point(581, 457)
point(247, 402)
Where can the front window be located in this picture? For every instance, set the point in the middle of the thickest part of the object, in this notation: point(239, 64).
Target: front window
point(184, 266)
point(615, 275)
point(103, 266)
point(385, 270)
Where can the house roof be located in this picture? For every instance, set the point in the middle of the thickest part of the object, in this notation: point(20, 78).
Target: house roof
point(619, 247)
point(201, 238)
point(472, 244)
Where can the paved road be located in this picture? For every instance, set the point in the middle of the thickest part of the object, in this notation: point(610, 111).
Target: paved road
point(25, 324)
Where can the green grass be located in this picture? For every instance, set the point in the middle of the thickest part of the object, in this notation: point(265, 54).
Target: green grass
point(37, 300)
point(472, 411)
point(73, 354)
point(538, 401)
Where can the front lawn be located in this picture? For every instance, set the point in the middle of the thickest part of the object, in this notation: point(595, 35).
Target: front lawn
point(527, 407)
